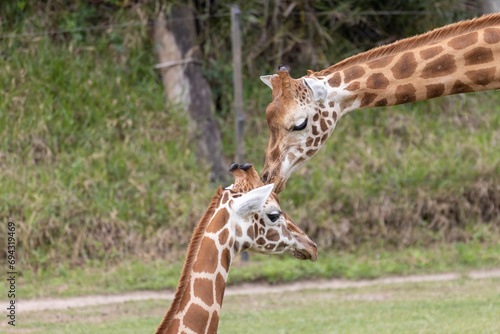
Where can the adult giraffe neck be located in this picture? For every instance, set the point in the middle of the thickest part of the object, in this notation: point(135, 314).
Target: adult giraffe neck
point(459, 58)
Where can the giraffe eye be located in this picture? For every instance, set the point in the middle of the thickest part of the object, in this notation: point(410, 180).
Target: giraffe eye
point(273, 216)
point(301, 126)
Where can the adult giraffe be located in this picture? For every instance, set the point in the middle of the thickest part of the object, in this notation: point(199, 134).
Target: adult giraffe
point(458, 58)
point(246, 216)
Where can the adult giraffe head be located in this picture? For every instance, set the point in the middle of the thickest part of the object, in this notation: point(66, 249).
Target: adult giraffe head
point(458, 58)
point(299, 119)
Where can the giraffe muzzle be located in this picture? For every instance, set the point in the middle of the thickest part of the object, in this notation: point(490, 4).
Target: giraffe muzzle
point(309, 252)
point(280, 183)
point(280, 186)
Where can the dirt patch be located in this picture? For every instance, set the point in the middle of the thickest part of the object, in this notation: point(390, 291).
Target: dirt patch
point(4, 328)
point(92, 300)
point(99, 313)
point(244, 289)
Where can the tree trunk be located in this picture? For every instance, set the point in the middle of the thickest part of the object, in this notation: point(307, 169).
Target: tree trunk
point(180, 67)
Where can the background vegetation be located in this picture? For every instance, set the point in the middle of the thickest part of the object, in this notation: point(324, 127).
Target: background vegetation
point(96, 169)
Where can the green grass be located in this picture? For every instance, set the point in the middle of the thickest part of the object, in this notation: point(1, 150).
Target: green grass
point(91, 156)
point(462, 306)
point(159, 275)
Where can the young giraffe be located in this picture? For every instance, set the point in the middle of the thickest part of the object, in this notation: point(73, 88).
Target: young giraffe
point(246, 216)
point(459, 58)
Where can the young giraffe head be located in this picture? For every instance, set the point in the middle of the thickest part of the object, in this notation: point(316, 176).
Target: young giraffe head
point(260, 225)
point(244, 216)
point(300, 120)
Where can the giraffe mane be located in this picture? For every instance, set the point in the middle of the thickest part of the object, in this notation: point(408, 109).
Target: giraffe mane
point(193, 248)
point(406, 44)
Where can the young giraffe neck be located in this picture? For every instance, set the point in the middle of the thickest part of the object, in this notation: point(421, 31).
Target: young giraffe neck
point(459, 58)
point(198, 299)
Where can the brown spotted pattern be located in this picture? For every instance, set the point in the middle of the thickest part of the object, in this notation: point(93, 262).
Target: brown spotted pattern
point(203, 289)
point(354, 86)
point(440, 67)
point(377, 81)
point(368, 99)
point(405, 66)
point(464, 41)
point(353, 73)
point(459, 64)
point(482, 77)
point(206, 261)
point(196, 318)
point(220, 287)
point(479, 55)
point(406, 93)
point(460, 87)
point(219, 220)
point(432, 52)
point(492, 35)
point(335, 80)
point(434, 90)
point(380, 63)
point(214, 323)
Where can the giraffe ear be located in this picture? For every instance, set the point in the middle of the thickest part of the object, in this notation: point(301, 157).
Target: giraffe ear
point(252, 201)
point(316, 88)
point(267, 80)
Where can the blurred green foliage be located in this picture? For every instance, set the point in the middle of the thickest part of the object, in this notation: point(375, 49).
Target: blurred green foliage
point(94, 166)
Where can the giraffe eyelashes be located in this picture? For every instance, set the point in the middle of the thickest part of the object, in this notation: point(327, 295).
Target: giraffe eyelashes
point(301, 126)
point(274, 216)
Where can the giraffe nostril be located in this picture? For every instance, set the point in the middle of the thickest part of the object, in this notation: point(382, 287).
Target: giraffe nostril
point(265, 177)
